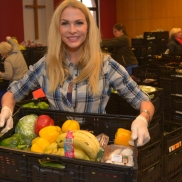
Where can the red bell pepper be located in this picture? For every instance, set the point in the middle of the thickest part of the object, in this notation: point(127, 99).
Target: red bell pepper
point(43, 121)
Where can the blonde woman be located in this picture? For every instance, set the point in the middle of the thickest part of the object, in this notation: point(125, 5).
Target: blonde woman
point(75, 76)
point(174, 45)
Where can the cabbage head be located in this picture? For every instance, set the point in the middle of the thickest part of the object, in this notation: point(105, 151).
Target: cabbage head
point(25, 127)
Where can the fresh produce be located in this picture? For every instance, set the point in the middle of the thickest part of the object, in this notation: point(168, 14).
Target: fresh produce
point(40, 105)
point(85, 145)
point(39, 144)
point(15, 141)
point(78, 153)
point(50, 133)
point(113, 91)
point(147, 89)
point(122, 137)
point(41, 122)
point(70, 125)
point(25, 127)
point(48, 163)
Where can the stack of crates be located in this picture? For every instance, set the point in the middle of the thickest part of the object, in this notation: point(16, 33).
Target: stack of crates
point(150, 163)
point(152, 43)
point(171, 81)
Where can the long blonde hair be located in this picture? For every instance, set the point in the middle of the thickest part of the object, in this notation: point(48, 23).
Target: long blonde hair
point(173, 32)
point(90, 58)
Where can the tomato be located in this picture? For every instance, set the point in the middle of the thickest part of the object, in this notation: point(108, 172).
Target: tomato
point(43, 121)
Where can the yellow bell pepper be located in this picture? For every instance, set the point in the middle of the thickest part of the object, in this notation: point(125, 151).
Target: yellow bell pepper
point(39, 144)
point(50, 133)
point(122, 137)
point(70, 125)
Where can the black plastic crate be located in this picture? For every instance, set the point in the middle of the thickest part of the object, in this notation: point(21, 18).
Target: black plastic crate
point(177, 85)
point(155, 129)
point(149, 155)
point(173, 102)
point(145, 71)
point(167, 84)
point(152, 174)
point(176, 177)
point(136, 42)
point(167, 70)
point(118, 105)
point(172, 163)
point(26, 165)
point(172, 115)
point(172, 139)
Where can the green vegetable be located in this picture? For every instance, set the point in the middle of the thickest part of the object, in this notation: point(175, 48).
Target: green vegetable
point(15, 141)
point(25, 127)
point(46, 163)
point(41, 105)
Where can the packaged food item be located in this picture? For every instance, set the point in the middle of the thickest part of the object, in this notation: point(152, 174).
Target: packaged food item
point(103, 142)
point(117, 154)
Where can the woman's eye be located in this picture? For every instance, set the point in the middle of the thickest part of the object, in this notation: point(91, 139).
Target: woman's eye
point(64, 23)
point(79, 23)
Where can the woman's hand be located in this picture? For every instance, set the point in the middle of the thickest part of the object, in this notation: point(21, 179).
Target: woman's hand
point(139, 129)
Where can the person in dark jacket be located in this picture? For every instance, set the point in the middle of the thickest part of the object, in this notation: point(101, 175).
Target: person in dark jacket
point(174, 46)
point(120, 48)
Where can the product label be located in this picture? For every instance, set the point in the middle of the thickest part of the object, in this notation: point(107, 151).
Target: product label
point(116, 158)
point(68, 145)
point(125, 159)
point(175, 146)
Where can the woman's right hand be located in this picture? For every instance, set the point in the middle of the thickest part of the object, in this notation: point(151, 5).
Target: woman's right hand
point(6, 117)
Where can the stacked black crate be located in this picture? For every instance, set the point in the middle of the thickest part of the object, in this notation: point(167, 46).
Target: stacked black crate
point(152, 44)
point(149, 156)
point(156, 41)
point(139, 50)
point(171, 82)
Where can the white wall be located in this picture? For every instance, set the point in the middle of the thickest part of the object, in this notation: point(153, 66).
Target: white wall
point(44, 18)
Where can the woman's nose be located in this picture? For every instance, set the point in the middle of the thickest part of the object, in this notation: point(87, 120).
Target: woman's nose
point(72, 29)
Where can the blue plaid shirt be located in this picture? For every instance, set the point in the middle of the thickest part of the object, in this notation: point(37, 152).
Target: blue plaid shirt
point(113, 75)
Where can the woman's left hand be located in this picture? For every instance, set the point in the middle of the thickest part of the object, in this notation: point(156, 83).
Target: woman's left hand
point(139, 129)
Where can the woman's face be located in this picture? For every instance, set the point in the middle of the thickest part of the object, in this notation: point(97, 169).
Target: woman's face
point(117, 33)
point(178, 34)
point(73, 28)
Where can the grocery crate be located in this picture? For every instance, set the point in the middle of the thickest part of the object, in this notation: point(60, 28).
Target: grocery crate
point(149, 155)
point(173, 102)
point(167, 70)
point(155, 129)
point(145, 71)
point(24, 166)
point(172, 163)
point(172, 139)
point(137, 42)
point(118, 105)
point(167, 84)
point(172, 115)
point(153, 173)
point(176, 177)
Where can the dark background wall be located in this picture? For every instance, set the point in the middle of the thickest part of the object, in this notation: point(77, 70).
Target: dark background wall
point(11, 18)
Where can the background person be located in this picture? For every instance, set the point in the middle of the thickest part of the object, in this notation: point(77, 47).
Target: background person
point(75, 75)
point(120, 48)
point(174, 46)
point(14, 63)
